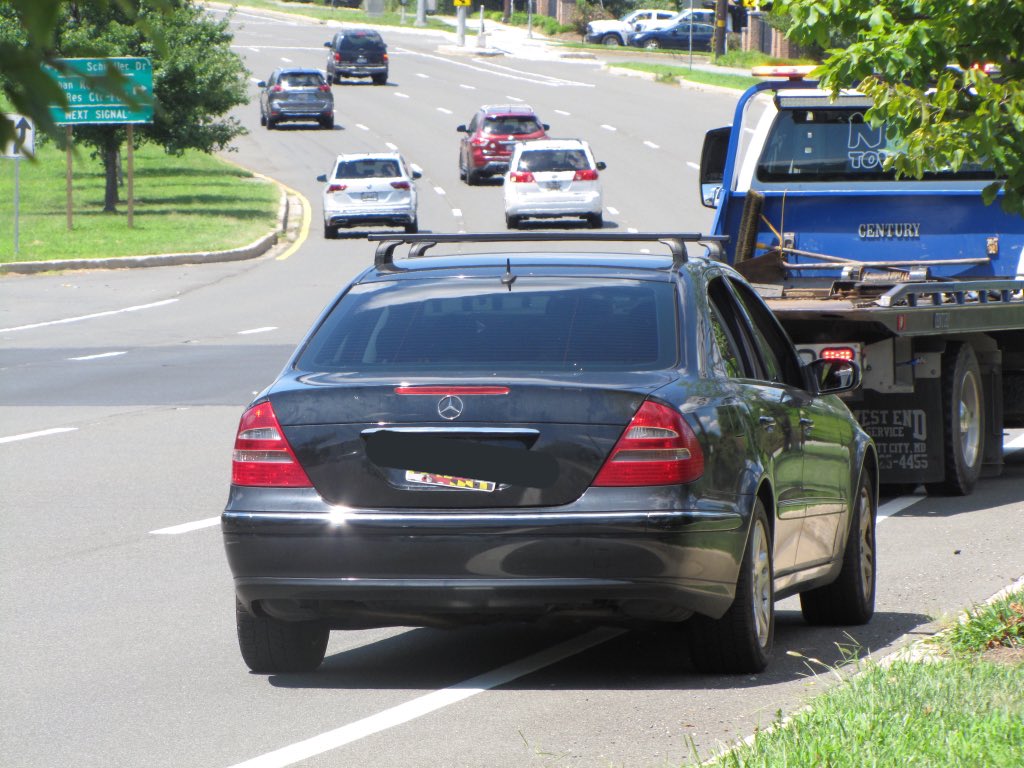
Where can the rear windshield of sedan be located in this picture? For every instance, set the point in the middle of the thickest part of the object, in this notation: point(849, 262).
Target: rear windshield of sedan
point(367, 169)
point(511, 126)
point(478, 324)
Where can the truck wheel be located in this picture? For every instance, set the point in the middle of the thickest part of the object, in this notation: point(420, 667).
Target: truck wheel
point(963, 421)
point(611, 40)
point(850, 599)
point(270, 646)
point(741, 641)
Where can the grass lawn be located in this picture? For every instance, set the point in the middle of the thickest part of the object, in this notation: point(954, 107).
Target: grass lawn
point(196, 202)
point(962, 706)
point(672, 73)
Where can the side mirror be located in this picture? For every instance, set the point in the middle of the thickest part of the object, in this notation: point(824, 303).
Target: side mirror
point(834, 376)
point(461, 129)
point(327, 44)
point(417, 172)
point(600, 165)
point(712, 165)
point(322, 178)
point(545, 126)
point(261, 84)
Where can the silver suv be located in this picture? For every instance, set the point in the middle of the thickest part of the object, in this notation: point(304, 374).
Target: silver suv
point(296, 94)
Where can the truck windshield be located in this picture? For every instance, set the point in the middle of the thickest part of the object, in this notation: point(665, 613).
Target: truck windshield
point(835, 145)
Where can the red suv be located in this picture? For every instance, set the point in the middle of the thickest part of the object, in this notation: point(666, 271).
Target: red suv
point(486, 148)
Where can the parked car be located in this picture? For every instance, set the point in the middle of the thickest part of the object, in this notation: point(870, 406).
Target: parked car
point(371, 188)
point(294, 93)
point(624, 438)
point(357, 53)
point(617, 31)
point(486, 146)
point(678, 36)
point(700, 15)
point(554, 178)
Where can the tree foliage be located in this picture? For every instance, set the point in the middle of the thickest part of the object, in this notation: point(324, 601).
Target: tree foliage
point(945, 77)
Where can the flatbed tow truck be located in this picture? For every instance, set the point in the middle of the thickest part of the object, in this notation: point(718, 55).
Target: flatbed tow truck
point(919, 281)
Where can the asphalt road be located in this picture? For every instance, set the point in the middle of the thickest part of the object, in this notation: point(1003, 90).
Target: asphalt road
point(120, 393)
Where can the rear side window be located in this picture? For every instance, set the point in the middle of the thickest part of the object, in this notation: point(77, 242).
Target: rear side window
point(542, 324)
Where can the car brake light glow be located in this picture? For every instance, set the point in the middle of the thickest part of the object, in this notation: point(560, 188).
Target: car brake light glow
point(657, 448)
point(337, 188)
point(521, 176)
point(588, 174)
point(478, 141)
point(454, 390)
point(838, 353)
point(400, 184)
point(384, 57)
point(262, 455)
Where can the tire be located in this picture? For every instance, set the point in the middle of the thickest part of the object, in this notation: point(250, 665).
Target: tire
point(595, 221)
point(270, 646)
point(652, 45)
point(611, 40)
point(741, 641)
point(327, 124)
point(963, 421)
point(330, 233)
point(850, 599)
point(412, 227)
point(380, 79)
point(271, 124)
point(512, 222)
point(263, 118)
point(462, 170)
point(472, 177)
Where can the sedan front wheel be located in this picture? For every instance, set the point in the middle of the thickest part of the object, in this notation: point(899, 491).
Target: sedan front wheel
point(652, 45)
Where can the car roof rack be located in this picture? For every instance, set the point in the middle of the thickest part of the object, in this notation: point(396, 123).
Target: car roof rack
point(384, 258)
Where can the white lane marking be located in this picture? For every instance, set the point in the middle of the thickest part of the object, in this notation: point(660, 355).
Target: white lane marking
point(431, 702)
point(693, 165)
point(1014, 445)
point(361, 127)
point(514, 98)
point(40, 433)
point(651, 144)
point(186, 527)
point(897, 505)
point(392, 147)
point(562, 112)
point(97, 357)
point(632, 230)
point(457, 212)
point(425, 77)
point(467, 87)
point(136, 308)
point(254, 50)
point(286, 59)
point(444, 111)
point(645, 250)
point(609, 127)
point(264, 329)
point(401, 95)
point(439, 190)
point(613, 211)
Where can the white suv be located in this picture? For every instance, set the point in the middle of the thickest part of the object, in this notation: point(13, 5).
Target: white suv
point(371, 188)
point(553, 179)
point(617, 31)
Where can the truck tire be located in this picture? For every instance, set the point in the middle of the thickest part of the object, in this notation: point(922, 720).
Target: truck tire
point(963, 421)
point(741, 641)
point(270, 646)
point(850, 599)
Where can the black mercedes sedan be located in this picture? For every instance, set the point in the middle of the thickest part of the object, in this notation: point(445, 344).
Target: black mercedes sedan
point(607, 437)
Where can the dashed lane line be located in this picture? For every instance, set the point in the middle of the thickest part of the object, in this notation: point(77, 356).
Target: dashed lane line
point(40, 433)
point(79, 318)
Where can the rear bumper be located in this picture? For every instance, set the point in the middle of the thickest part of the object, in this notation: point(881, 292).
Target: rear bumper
point(346, 217)
point(301, 111)
point(493, 167)
point(438, 567)
point(569, 205)
point(345, 70)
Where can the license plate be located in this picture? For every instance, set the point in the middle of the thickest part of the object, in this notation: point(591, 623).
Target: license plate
point(369, 197)
point(360, 60)
point(448, 481)
point(550, 185)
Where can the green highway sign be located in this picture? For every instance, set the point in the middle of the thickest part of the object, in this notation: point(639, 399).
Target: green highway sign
point(89, 106)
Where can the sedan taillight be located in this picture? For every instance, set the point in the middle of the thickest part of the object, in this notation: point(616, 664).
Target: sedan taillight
point(400, 184)
point(657, 448)
point(337, 188)
point(588, 174)
point(521, 176)
point(262, 455)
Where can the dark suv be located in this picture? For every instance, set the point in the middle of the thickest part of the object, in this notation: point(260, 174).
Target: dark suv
point(357, 53)
point(486, 147)
point(296, 94)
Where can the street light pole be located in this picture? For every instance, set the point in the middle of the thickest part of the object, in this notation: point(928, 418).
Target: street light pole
point(421, 13)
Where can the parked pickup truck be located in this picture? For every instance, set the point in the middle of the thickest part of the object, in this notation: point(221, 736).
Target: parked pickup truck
point(919, 281)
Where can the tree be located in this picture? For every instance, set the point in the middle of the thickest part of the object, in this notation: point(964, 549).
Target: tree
point(944, 77)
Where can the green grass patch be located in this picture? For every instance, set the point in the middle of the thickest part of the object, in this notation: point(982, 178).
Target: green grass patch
point(957, 709)
point(196, 202)
point(347, 15)
point(748, 59)
point(672, 73)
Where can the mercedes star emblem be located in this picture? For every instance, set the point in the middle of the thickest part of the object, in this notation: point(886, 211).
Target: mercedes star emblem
point(450, 407)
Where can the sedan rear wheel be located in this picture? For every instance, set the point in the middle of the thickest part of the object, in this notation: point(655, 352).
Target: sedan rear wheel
point(850, 599)
point(741, 641)
point(595, 221)
point(270, 646)
point(330, 233)
point(412, 227)
point(652, 45)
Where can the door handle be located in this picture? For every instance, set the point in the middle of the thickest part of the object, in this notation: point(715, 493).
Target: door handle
point(767, 423)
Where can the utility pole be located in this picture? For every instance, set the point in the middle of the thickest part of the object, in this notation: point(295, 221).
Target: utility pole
point(721, 13)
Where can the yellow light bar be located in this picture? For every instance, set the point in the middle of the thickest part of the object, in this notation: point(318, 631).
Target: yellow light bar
point(783, 72)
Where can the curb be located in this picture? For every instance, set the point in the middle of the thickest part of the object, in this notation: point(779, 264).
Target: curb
point(251, 251)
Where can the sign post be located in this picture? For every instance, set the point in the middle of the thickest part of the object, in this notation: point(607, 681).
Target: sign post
point(460, 21)
point(88, 105)
point(24, 143)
